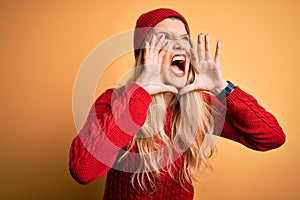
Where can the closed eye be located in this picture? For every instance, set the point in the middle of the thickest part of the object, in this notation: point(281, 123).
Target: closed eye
point(167, 37)
point(186, 38)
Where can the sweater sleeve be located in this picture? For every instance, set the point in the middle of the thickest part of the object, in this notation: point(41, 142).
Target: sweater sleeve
point(112, 122)
point(250, 124)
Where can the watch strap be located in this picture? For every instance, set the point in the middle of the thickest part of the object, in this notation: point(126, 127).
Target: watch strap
point(229, 88)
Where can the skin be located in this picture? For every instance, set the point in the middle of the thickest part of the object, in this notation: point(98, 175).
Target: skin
point(157, 76)
point(174, 32)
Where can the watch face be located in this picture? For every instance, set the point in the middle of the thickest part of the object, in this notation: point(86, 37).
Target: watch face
point(226, 91)
point(229, 88)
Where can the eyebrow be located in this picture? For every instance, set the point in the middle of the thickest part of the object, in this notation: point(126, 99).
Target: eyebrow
point(183, 35)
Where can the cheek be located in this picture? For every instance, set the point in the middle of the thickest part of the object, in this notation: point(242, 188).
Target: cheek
point(166, 61)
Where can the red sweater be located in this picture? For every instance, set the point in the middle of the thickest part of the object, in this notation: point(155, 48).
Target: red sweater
point(115, 119)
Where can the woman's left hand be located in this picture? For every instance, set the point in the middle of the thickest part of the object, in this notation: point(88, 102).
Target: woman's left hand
point(208, 71)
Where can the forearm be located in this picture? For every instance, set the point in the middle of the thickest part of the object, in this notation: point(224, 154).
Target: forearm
point(111, 125)
point(249, 123)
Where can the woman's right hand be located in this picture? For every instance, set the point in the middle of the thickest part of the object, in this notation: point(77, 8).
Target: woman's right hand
point(150, 79)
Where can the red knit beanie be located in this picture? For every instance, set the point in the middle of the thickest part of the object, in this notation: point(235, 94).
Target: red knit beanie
point(148, 20)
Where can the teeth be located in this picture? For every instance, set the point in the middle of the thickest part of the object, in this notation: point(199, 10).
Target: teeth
point(178, 58)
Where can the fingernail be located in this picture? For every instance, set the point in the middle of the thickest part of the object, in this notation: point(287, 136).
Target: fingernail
point(199, 38)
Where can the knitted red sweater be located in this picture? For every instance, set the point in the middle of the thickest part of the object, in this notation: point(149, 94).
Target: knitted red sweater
point(114, 120)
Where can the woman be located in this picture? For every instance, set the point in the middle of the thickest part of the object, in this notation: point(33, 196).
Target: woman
point(151, 135)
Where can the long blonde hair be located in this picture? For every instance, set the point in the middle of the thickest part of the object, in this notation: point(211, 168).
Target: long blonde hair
point(191, 126)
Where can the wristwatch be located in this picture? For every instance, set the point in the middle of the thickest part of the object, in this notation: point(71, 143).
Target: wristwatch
point(229, 88)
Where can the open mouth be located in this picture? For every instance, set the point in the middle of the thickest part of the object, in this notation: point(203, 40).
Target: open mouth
point(178, 64)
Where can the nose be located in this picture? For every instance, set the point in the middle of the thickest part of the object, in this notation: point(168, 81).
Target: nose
point(178, 45)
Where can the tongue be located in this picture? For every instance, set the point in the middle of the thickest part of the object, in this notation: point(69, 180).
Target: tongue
point(176, 70)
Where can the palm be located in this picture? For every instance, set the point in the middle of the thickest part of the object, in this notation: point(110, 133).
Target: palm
point(150, 78)
point(208, 72)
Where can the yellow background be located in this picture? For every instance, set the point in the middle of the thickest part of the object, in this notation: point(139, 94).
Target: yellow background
point(43, 44)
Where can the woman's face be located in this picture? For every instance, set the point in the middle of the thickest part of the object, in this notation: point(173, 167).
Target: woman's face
point(175, 65)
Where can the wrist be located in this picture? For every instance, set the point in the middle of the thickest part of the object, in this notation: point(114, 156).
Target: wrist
point(226, 91)
point(220, 88)
point(144, 86)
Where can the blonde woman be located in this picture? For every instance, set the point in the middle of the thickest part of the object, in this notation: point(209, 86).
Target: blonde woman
point(151, 135)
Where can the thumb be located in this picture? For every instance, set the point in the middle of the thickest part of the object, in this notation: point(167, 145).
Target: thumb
point(187, 89)
point(156, 88)
point(169, 88)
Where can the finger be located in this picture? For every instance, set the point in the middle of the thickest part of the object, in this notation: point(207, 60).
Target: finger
point(167, 48)
point(153, 54)
point(158, 48)
point(200, 50)
point(207, 48)
point(170, 88)
point(153, 42)
point(170, 46)
point(158, 87)
point(218, 53)
point(194, 60)
point(146, 51)
point(186, 89)
point(164, 51)
point(160, 42)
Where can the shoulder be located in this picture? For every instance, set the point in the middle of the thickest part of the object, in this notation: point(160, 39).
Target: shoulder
point(106, 96)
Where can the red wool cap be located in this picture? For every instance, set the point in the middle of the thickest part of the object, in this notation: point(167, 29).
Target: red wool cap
point(148, 20)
